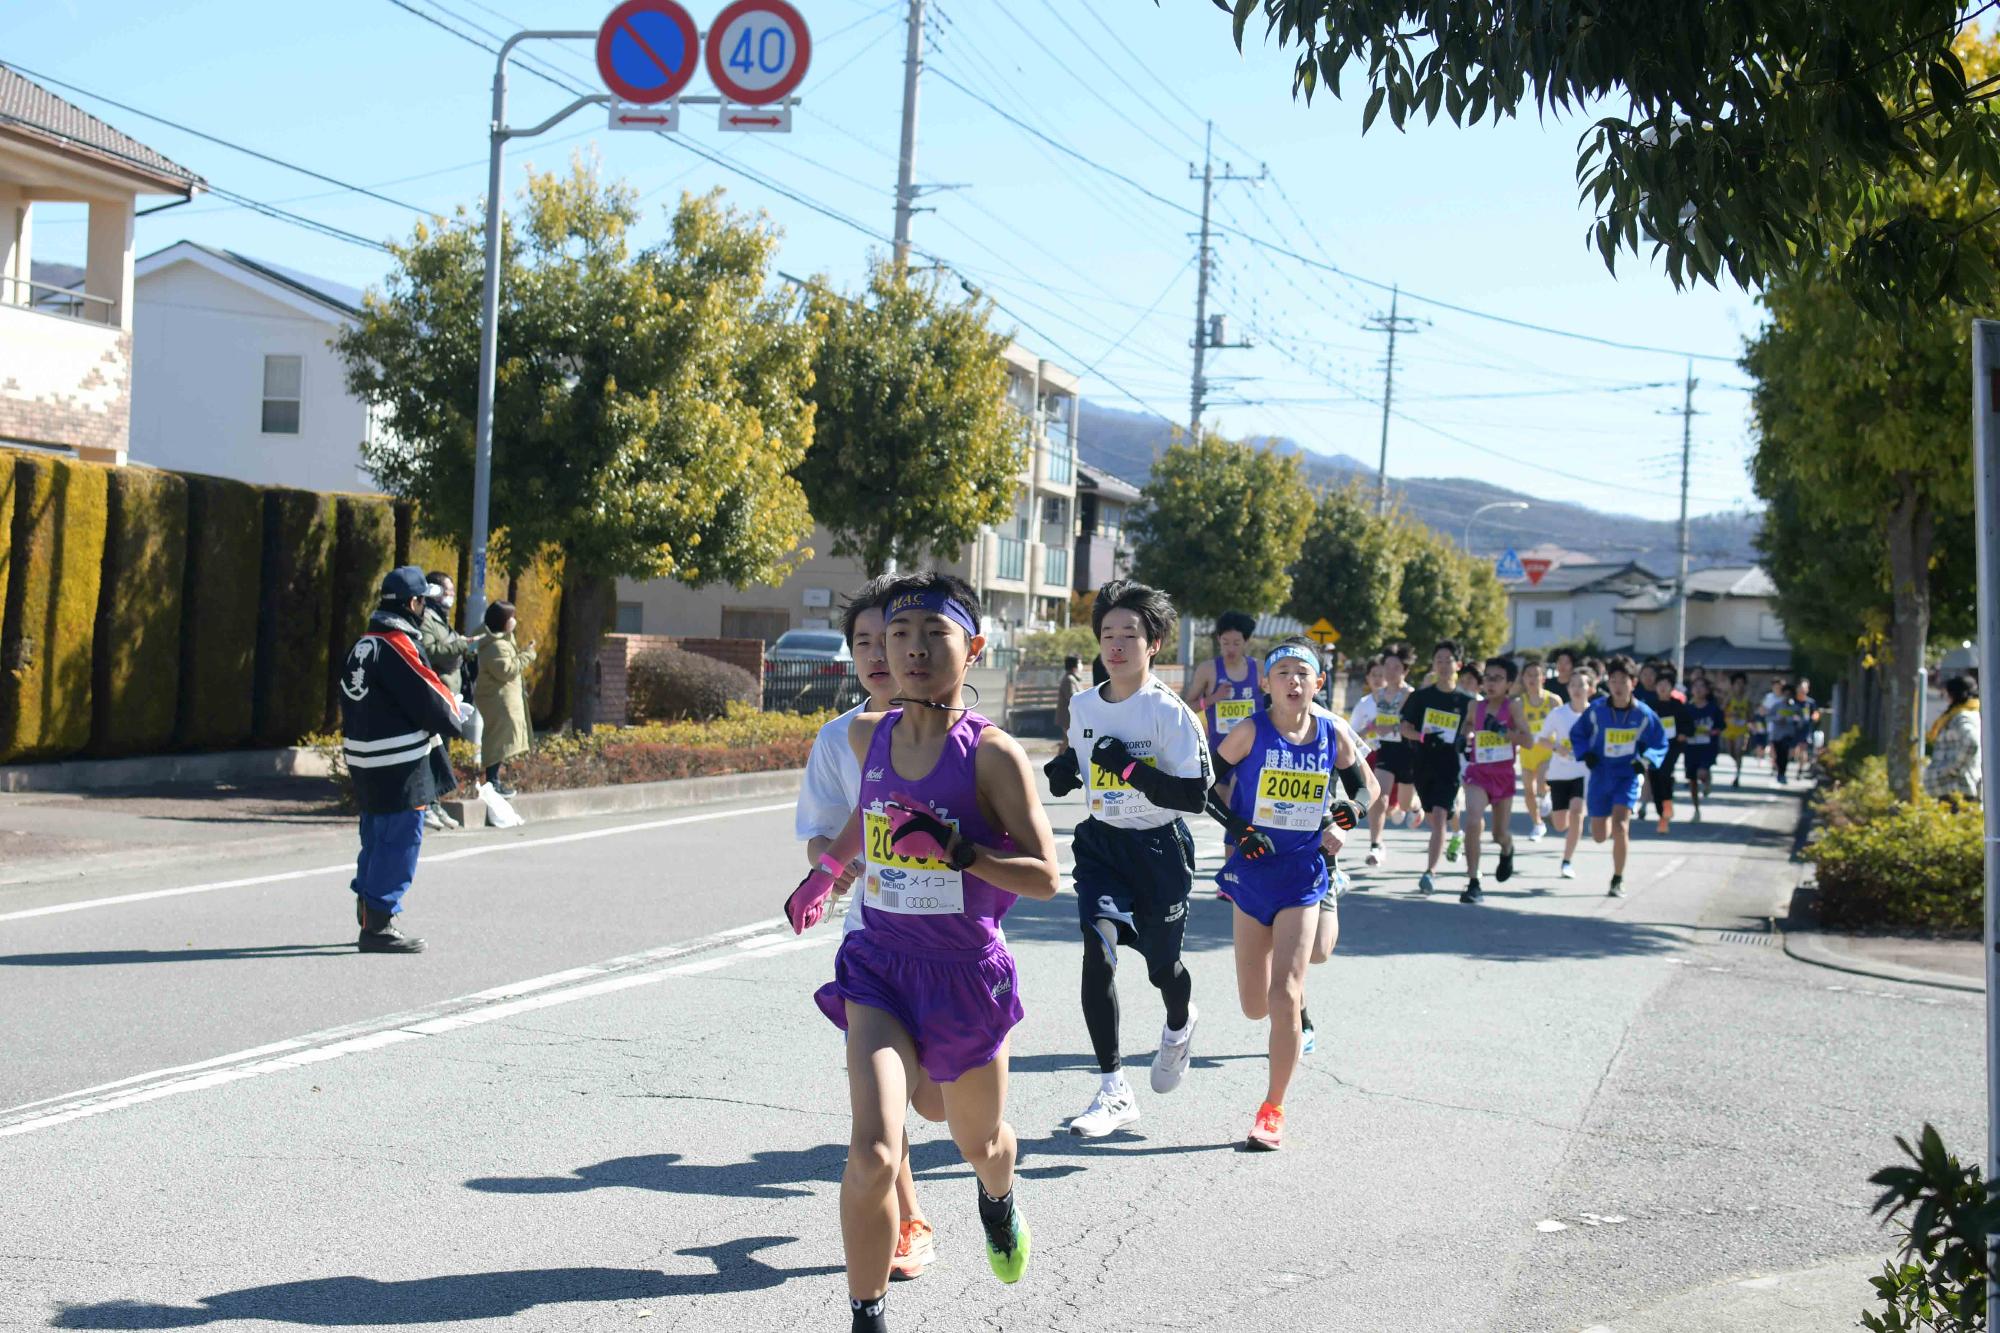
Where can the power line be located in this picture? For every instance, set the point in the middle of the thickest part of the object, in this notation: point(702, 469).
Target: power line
point(1289, 253)
point(215, 139)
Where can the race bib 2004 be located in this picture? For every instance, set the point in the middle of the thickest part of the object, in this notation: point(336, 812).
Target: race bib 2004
point(1290, 798)
point(911, 885)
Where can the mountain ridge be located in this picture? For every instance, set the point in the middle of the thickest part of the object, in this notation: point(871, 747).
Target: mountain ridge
point(1125, 444)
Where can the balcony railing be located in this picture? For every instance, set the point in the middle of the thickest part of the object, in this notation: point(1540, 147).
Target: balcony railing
point(1055, 567)
point(49, 299)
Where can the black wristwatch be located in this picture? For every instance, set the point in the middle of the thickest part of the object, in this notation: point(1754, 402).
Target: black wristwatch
point(962, 853)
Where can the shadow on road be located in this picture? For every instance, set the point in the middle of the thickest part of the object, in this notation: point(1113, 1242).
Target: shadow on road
point(360, 1302)
point(96, 958)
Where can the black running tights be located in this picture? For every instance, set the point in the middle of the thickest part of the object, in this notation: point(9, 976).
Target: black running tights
point(1100, 1000)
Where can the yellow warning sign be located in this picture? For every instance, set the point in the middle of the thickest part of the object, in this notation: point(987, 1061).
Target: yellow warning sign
point(1323, 632)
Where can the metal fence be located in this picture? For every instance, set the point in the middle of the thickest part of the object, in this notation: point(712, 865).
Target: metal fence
point(809, 687)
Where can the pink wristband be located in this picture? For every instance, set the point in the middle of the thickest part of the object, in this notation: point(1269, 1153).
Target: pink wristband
point(1126, 776)
point(832, 864)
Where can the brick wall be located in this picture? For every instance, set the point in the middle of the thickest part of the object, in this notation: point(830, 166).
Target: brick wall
point(64, 382)
point(617, 652)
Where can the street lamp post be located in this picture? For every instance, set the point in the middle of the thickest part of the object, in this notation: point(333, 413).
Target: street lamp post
point(1497, 504)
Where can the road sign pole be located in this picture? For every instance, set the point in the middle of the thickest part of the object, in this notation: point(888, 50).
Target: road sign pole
point(489, 346)
point(1986, 488)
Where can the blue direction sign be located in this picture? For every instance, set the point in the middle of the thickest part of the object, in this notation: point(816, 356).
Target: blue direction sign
point(1508, 567)
point(648, 50)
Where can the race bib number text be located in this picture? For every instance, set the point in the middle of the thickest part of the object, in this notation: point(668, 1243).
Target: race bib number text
point(1289, 798)
point(1620, 742)
point(910, 885)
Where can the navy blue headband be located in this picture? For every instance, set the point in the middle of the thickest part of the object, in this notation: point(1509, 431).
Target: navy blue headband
point(935, 602)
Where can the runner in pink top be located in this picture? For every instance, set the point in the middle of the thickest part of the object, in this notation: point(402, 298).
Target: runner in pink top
point(926, 990)
point(1493, 733)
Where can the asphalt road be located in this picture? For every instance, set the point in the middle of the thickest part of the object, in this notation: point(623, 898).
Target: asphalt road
point(604, 1097)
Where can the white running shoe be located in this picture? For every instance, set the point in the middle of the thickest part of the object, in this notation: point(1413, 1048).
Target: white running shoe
point(1170, 1062)
point(1568, 871)
point(1545, 806)
point(1109, 1112)
point(1374, 855)
point(1537, 832)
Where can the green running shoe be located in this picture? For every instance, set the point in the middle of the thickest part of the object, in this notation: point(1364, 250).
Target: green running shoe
point(1007, 1245)
point(1452, 845)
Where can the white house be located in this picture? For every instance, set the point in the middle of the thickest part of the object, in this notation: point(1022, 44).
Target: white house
point(1732, 621)
point(66, 344)
point(234, 374)
point(1575, 600)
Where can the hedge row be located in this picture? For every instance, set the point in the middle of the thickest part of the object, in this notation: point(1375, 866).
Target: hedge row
point(142, 610)
point(57, 558)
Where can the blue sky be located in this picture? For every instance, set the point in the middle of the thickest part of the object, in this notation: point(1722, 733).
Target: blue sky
point(1098, 276)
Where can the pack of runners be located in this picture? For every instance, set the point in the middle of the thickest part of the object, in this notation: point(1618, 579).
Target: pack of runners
point(923, 824)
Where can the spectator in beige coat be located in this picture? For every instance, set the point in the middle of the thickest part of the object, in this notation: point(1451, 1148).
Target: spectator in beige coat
point(501, 695)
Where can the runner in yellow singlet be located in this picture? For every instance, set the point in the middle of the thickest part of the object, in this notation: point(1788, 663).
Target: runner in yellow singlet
point(1738, 708)
point(1536, 705)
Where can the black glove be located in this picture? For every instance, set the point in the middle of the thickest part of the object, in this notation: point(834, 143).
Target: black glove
point(1436, 740)
point(1590, 758)
point(1110, 753)
point(1063, 774)
point(1346, 814)
point(919, 822)
point(1253, 843)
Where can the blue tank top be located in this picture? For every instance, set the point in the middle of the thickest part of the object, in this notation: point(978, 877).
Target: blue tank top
point(1284, 790)
point(1243, 702)
point(923, 904)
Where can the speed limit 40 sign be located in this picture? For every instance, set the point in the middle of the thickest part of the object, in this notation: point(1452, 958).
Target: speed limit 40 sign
point(758, 51)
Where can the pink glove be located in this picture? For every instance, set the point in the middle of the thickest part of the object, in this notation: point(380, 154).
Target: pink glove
point(920, 841)
point(808, 901)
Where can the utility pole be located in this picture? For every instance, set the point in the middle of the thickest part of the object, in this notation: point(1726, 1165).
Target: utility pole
point(1687, 416)
point(1391, 324)
point(906, 161)
point(1208, 336)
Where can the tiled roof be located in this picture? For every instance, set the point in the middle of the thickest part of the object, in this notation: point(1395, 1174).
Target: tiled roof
point(1106, 484)
point(1620, 575)
point(1719, 654)
point(337, 294)
point(1705, 585)
point(26, 105)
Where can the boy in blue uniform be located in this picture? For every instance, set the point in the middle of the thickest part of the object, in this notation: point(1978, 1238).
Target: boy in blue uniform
point(1619, 740)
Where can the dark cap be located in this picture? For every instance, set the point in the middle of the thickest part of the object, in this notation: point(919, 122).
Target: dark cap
point(400, 585)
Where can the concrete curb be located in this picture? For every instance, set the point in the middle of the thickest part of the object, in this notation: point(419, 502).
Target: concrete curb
point(161, 770)
point(1815, 947)
point(637, 796)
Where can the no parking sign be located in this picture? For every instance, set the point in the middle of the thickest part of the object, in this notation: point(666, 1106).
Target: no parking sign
point(647, 50)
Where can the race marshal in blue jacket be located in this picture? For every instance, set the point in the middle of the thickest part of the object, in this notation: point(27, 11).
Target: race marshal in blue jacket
point(394, 712)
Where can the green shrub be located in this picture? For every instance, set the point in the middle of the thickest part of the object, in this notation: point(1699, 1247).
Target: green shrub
point(45, 645)
point(364, 550)
point(1862, 798)
point(1843, 758)
point(6, 528)
point(668, 685)
point(1049, 647)
point(1937, 1284)
point(219, 604)
point(743, 740)
point(136, 672)
point(1918, 867)
point(295, 616)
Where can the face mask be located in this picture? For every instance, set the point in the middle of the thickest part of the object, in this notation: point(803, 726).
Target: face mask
point(450, 600)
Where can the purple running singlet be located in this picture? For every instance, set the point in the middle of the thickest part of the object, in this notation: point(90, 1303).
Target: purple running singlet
point(929, 951)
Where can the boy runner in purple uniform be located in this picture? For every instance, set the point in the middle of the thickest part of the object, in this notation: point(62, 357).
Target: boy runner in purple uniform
point(926, 989)
point(1226, 689)
point(827, 800)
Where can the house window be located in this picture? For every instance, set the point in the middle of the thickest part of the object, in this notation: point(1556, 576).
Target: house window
point(1053, 512)
point(284, 378)
point(1545, 618)
point(1062, 450)
point(1770, 629)
point(755, 622)
point(631, 617)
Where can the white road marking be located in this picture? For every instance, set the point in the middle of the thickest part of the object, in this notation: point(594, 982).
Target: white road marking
point(347, 867)
point(755, 941)
point(1550, 1224)
point(1670, 867)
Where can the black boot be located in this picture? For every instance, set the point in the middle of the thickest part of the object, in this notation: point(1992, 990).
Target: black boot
point(379, 934)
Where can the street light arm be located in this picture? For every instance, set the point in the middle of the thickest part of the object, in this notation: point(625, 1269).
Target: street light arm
point(1497, 504)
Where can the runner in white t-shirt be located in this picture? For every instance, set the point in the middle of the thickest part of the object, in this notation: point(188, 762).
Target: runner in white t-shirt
point(827, 800)
point(1566, 772)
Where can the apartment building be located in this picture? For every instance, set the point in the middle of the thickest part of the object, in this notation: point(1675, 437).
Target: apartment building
point(1021, 568)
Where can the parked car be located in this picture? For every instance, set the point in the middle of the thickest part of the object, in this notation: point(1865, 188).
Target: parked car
point(809, 645)
point(807, 670)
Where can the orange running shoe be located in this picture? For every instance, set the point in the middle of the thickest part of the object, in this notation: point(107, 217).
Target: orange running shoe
point(1267, 1132)
point(916, 1249)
